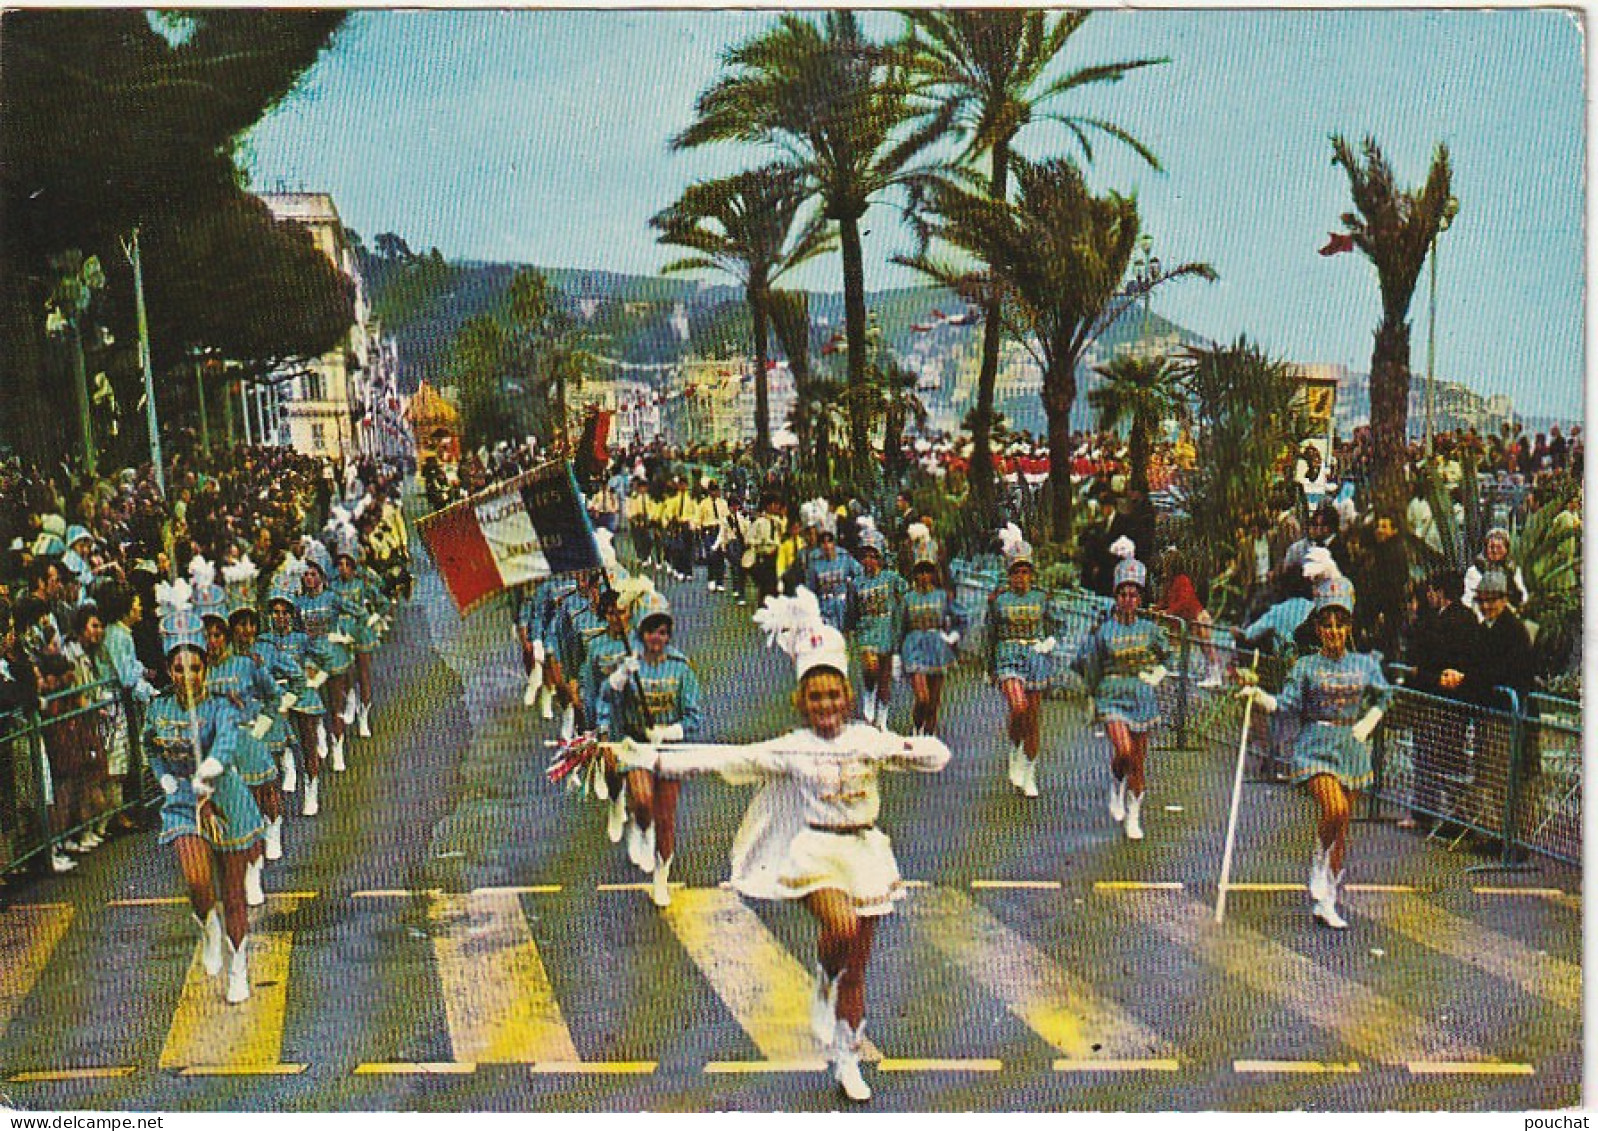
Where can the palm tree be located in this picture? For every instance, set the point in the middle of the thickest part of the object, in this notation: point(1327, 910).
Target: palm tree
point(833, 102)
point(1142, 392)
point(1056, 259)
point(790, 317)
point(1394, 228)
point(744, 225)
point(987, 65)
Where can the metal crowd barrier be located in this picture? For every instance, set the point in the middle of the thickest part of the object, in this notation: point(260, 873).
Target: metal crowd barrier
point(26, 787)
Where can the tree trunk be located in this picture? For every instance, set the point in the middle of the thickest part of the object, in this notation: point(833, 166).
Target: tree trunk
point(854, 324)
point(1059, 395)
point(80, 389)
point(1389, 396)
point(1137, 451)
point(757, 312)
point(981, 477)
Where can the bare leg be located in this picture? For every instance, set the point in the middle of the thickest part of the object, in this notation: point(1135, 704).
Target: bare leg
point(1335, 804)
point(235, 915)
point(1034, 715)
point(363, 677)
point(194, 861)
point(844, 948)
point(665, 810)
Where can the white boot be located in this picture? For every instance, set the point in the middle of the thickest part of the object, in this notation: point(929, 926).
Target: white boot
point(1216, 677)
point(568, 722)
point(351, 705)
point(846, 1043)
point(274, 839)
point(641, 847)
point(238, 971)
point(363, 719)
point(546, 702)
point(210, 941)
point(1325, 910)
point(254, 894)
point(824, 1005)
point(312, 802)
point(882, 713)
point(291, 775)
point(321, 738)
point(616, 819)
point(338, 755)
point(868, 707)
point(1017, 765)
point(1134, 814)
point(1118, 799)
point(1320, 873)
point(660, 889)
point(535, 684)
point(1029, 778)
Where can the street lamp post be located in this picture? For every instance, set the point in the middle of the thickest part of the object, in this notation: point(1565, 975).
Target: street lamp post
point(1450, 210)
point(144, 360)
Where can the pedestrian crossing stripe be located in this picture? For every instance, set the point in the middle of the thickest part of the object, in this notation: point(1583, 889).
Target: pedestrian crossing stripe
point(1051, 1001)
point(755, 1067)
point(1296, 1067)
point(529, 889)
point(1022, 885)
point(594, 1067)
point(645, 886)
point(764, 986)
point(416, 1068)
point(940, 1064)
point(59, 1074)
point(1155, 1064)
point(1139, 885)
point(211, 1037)
point(1356, 1015)
point(242, 1070)
point(1533, 971)
point(498, 999)
point(1278, 887)
point(28, 938)
point(1469, 1068)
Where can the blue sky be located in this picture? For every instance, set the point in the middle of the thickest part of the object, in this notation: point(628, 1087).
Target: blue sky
point(541, 137)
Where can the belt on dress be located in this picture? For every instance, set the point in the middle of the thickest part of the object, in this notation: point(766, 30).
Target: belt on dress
point(841, 830)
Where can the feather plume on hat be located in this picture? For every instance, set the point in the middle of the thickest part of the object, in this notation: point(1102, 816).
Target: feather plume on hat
point(1122, 547)
point(917, 532)
point(242, 571)
point(1319, 564)
point(173, 597)
point(794, 624)
point(202, 574)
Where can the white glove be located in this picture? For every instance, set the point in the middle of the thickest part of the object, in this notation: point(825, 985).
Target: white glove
point(315, 679)
point(538, 652)
point(208, 769)
point(898, 668)
point(671, 733)
point(373, 621)
point(950, 638)
point(1263, 699)
point(260, 726)
point(535, 680)
point(169, 784)
point(1367, 726)
point(340, 638)
point(633, 756)
point(202, 787)
point(618, 678)
point(1155, 675)
point(1045, 646)
point(288, 700)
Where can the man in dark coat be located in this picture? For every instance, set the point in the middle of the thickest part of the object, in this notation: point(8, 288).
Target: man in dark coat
point(1443, 649)
point(1505, 660)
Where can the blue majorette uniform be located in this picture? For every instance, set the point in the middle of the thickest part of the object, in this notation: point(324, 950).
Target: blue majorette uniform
point(1111, 659)
point(243, 677)
point(1016, 621)
point(831, 579)
point(322, 616)
point(878, 608)
point(671, 695)
point(365, 593)
point(924, 618)
point(1329, 697)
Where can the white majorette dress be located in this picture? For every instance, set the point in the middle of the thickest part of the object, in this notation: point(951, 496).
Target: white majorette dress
point(814, 825)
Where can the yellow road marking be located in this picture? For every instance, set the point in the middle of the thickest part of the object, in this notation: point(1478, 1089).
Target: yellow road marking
point(1139, 885)
point(1469, 1068)
point(498, 999)
point(750, 1067)
point(1294, 1066)
point(210, 1037)
point(762, 984)
point(1155, 1064)
point(645, 886)
point(1570, 899)
point(1023, 885)
point(1391, 889)
point(529, 889)
point(396, 893)
point(940, 1064)
point(416, 1068)
point(243, 1070)
point(1535, 972)
point(151, 901)
point(49, 1075)
point(1274, 887)
point(1265, 887)
point(1051, 1001)
point(595, 1067)
point(28, 937)
point(1377, 1027)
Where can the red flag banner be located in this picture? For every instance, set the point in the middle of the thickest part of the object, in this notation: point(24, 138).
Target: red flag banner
point(1337, 243)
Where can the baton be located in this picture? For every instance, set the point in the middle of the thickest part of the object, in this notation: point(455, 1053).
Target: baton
point(1237, 796)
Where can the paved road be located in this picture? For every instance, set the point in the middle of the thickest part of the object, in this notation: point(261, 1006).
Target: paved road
point(453, 934)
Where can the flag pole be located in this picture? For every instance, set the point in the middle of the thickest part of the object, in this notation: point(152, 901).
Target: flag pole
point(1237, 796)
